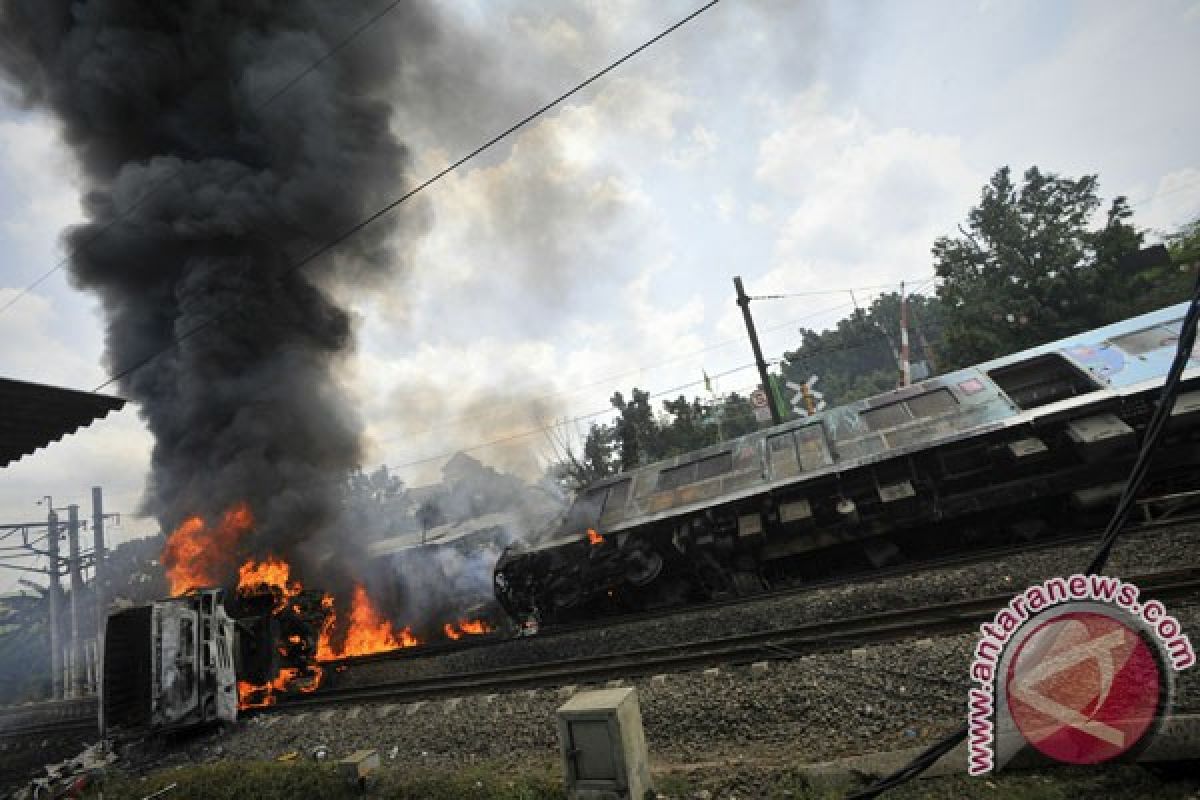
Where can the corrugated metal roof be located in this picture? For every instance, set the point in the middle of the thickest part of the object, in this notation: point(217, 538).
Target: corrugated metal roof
point(33, 415)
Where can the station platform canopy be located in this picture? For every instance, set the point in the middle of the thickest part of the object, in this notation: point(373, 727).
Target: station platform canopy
point(33, 415)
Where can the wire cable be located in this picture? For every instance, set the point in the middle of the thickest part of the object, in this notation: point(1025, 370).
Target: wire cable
point(547, 428)
point(848, 290)
point(391, 206)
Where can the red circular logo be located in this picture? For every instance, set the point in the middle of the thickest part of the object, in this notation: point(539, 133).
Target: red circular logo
point(1084, 687)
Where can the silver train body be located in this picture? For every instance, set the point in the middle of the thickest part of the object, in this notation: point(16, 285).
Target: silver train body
point(1039, 435)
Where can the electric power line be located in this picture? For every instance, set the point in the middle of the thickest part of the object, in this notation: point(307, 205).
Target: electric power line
point(547, 428)
point(454, 421)
point(848, 290)
point(391, 206)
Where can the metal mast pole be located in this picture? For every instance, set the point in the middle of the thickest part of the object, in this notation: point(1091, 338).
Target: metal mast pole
point(100, 602)
point(76, 573)
point(905, 369)
point(744, 302)
point(56, 654)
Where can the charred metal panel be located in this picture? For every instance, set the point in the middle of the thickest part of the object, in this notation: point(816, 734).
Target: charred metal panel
point(1027, 448)
point(1186, 411)
point(128, 668)
point(896, 492)
point(1100, 436)
point(797, 511)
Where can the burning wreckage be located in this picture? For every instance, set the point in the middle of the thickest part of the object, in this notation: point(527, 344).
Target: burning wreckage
point(205, 653)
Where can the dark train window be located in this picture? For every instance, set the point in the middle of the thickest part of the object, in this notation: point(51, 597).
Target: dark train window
point(694, 471)
point(618, 493)
point(1147, 339)
point(713, 466)
point(930, 404)
point(1042, 380)
point(585, 511)
point(886, 417)
point(814, 449)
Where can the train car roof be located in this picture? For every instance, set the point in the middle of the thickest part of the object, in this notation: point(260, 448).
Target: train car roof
point(442, 534)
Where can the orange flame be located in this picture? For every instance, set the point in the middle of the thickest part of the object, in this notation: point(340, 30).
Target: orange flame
point(467, 627)
point(196, 555)
point(262, 695)
point(368, 633)
point(272, 574)
point(594, 537)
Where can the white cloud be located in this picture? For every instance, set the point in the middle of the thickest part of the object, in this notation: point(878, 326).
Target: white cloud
point(1174, 201)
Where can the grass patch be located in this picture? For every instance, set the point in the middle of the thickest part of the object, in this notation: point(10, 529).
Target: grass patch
point(306, 780)
point(231, 780)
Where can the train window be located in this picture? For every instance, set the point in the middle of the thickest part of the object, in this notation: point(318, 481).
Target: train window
point(930, 404)
point(713, 466)
point(886, 416)
point(1147, 339)
point(618, 493)
point(781, 450)
point(694, 471)
point(1041, 380)
point(585, 511)
point(675, 477)
point(813, 448)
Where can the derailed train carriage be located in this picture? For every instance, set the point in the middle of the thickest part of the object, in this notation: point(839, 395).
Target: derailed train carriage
point(191, 660)
point(1019, 445)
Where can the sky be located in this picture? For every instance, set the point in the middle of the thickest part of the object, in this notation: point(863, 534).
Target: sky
point(805, 146)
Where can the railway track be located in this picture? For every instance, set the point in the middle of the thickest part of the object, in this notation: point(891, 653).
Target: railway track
point(975, 556)
point(30, 725)
point(68, 717)
point(785, 642)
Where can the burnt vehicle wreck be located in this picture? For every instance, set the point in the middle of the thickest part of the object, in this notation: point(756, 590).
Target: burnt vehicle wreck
point(197, 658)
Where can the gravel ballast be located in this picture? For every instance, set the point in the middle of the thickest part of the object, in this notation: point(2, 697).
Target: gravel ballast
point(803, 710)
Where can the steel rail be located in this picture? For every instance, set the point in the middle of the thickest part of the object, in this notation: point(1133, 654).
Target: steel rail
point(781, 643)
point(966, 558)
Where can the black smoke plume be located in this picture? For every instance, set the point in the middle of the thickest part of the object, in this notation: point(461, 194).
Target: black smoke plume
point(206, 177)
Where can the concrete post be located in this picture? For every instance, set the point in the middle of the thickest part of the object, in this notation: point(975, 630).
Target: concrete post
point(99, 575)
point(56, 659)
point(76, 573)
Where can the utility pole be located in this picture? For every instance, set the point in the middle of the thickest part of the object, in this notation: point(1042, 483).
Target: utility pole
point(905, 369)
point(99, 600)
point(74, 569)
point(744, 302)
point(56, 666)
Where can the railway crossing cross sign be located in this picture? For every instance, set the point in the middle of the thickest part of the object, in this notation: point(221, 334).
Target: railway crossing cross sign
point(806, 399)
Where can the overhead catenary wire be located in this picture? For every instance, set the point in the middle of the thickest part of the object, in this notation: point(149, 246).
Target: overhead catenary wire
point(455, 421)
point(847, 290)
point(174, 173)
point(351, 231)
point(546, 428)
point(1137, 475)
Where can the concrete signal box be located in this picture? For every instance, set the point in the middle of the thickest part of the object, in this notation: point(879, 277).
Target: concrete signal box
point(603, 747)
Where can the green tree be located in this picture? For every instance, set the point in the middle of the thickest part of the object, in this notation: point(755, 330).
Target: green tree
point(1029, 268)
